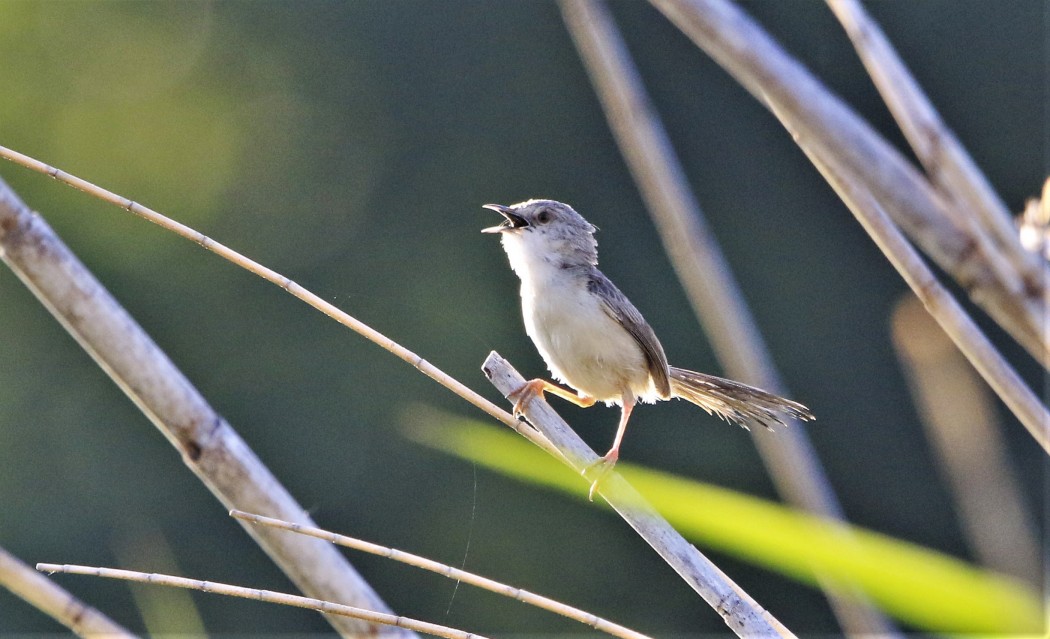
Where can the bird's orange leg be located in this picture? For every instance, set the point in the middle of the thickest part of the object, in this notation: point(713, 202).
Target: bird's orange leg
point(605, 464)
point(536, 387)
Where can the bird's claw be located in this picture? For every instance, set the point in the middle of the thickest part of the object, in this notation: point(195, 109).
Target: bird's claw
point(604, 466)
point(524, 395)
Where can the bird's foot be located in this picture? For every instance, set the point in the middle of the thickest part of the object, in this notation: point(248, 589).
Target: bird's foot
point(528, 391)
point(600, 469)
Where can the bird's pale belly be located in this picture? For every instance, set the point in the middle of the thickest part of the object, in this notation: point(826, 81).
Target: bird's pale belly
point(587, 349)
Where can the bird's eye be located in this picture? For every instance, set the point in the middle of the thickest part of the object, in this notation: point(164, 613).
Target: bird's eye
point(543, 217)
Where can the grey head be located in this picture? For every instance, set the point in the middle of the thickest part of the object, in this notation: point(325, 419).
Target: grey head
point(550, 224)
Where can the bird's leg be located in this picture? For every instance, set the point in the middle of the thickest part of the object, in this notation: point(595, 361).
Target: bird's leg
point(536, 387)
point(606, 462)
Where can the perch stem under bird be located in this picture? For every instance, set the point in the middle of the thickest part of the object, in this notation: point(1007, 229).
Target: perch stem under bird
point(593, 339)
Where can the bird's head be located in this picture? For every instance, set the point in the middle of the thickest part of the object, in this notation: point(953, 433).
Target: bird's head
point(546, 231)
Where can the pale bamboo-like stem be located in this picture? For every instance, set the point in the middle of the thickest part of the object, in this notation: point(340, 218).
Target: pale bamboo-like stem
point(949, 167)
point(740, 612)
point(995, 370)
point(518, 594)
point(956, 408)
point(210, 447)
point(268, 596)
point(56, 602)
point(269, 275)
point(1017, 301)
point(705, 274)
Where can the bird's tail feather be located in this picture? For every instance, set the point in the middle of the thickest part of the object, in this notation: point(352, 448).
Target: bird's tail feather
point(735, 402)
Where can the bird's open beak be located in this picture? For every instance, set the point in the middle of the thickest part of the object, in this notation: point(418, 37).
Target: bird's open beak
point(512, 222)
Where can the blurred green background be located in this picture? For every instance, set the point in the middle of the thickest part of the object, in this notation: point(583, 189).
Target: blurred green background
point(349, 146)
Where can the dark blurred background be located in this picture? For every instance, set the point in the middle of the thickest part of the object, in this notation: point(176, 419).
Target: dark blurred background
point(349, 146)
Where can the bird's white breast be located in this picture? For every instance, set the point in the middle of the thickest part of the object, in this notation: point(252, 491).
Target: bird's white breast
point(582, 345)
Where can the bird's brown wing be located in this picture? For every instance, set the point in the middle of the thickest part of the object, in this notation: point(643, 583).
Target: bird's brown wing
point(620, 309)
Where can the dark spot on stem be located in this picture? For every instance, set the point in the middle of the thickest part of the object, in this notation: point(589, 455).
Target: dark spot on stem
point(1033, 286)
point(192, 450)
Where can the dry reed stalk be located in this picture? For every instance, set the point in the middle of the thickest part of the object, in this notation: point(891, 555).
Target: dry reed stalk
point(50, 598)
point(268, 596)
point(1018, 299)
point(445, 570)
point(210, 447)
point(949, 167)
point(991, 365)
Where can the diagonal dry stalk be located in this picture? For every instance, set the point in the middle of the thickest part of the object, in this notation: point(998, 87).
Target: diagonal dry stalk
point(950, 168)
point(268, 596)
point(209, 445)
point(49, 597)
point(267, 274)
point(445, 570)
point(995, 370)
point(1013, 293)
point(740, 612)
point(704, 273)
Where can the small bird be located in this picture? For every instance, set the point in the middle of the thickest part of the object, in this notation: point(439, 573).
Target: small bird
point(593, 339)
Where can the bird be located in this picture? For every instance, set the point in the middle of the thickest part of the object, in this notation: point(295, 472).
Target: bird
point(593, 339)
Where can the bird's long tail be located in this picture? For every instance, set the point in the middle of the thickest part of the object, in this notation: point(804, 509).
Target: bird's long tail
point(735, 402)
